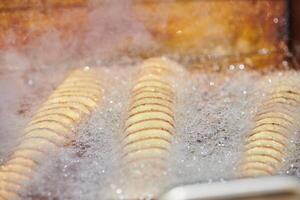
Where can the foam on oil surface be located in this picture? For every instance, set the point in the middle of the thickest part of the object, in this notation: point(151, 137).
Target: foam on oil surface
point(80, 171)
point(213, 117)
point(214, 112)
point(22, 92)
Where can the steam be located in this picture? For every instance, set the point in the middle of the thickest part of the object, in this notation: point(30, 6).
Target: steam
point(109, 30)
point(214, 111)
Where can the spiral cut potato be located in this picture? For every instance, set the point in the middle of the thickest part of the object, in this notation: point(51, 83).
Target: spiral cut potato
point(50, 129)
point(150, 124)
point(266, 145)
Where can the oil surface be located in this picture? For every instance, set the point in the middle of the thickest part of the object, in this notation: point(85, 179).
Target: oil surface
point(213, 114)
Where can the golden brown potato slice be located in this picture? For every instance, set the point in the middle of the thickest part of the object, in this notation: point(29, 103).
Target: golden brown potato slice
point(266, 144)
point(150, 124)
point(50, 129)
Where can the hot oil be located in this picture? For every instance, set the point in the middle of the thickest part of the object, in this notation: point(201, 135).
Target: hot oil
point(214, 111)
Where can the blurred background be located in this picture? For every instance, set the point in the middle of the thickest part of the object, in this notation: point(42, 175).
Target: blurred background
point(190, 31)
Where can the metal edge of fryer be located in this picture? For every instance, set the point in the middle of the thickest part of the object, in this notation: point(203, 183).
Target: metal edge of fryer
point(275, 188)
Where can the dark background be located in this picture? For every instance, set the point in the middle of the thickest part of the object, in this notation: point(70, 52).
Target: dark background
point(294, 14)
